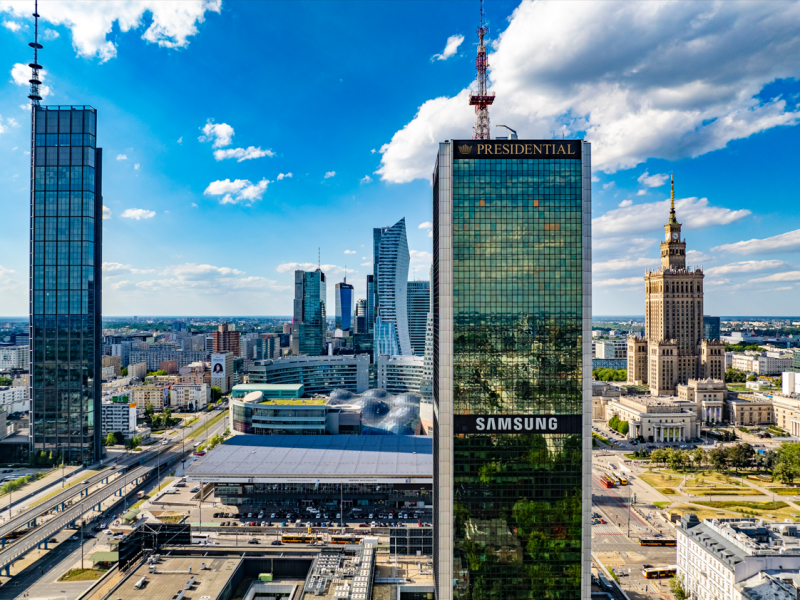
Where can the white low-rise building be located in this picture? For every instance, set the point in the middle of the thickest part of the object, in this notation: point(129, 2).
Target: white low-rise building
point(736, 559)
point(119, 417)
point(15, 357)
point(654, 419)
point(189, 396)
point(766, 363)
point(400, 374)
point(14, 399)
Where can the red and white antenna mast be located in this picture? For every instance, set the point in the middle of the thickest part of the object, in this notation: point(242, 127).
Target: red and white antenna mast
point(480, 98)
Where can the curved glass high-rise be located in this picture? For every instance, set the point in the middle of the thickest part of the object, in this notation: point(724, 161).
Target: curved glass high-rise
point(390, 270)
point(65, 283)
point(344, 306)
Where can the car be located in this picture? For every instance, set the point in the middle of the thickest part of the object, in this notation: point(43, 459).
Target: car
point(74, 538)
point(602, 521)
point(89, 535)
point(370, 516)
point(338, 515)
point(283, 524)
point(363, 525)
point(234, 524)
point(269, 524)
point(216, 515)
point(252, 541)
point(276, 543)
point(263, 523)
point(272, 516)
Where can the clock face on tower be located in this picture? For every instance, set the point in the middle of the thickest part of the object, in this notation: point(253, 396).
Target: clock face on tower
point(675, 236)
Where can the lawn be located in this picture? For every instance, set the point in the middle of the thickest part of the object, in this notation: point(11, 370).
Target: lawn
point(720, 491)
point(785, 491)
point(702, 513)
point(661, 505)
point(210, 423)
point(777, 511)
point(659, 480)
point(82, 574)
point(632, 457)
point(668, 491)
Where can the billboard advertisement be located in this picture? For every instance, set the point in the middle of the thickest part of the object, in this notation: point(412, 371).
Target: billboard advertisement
point(218, 365)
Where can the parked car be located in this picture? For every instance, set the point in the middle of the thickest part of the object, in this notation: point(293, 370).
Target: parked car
point(276, 543)
point(252, 541)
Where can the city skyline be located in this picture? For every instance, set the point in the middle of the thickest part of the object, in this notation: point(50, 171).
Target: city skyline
point(732, 186)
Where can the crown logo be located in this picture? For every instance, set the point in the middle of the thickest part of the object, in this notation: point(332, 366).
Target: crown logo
point(465, 149)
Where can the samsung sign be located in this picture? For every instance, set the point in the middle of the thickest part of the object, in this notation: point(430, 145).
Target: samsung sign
point(521, 424)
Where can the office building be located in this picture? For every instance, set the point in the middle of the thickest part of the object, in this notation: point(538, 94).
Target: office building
point(344, 306)
point(390, 270)
point(137, 370)
point(21, 339)
point(370, 303)
point(732, 559)
point(267, 346)
point(319, 374)
point(65, 282)
point(711, 328)
point(611, 349)
point(123, 350)
point(14, 399)
point(511, 385)
point(15, 357)
point(189, 396)
point(419, 305)
point(156, 396)
point(222, 375)
point(308, 325)
point(154, 357)
point(360, 317)
point(674, 349)
point(762, 363)
point(226, 339)
point(400, 374)
point(119, 417)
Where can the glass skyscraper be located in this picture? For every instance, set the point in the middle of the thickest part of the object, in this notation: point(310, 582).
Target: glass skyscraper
point(309, 326)
point(419, 305)
point(512, 369)
point(711, 327)
point(65, 283)
point(390, 270)
point(344, 305)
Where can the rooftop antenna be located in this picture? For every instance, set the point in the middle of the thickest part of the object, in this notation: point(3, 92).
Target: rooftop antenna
point(319, 259)
point(480, 98)
point(35, 66)
point(345, 273)
point(513, 131)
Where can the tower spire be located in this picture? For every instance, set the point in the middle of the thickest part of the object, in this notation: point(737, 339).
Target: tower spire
point(35, 81)
point(672, 218)
point(480, 98)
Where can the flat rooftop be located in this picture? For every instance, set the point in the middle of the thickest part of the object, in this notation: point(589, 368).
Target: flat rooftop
point(313, 458)
point(296, 401)
point(164, 585)
point(258, 387)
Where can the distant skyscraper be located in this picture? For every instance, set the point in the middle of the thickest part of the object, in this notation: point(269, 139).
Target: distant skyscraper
point(308, 325)
point(65, 280)
point(419, 305)
point(344, 305)
point(711, 326)
point(391, 256)
point(360, 324)
point(512, 369)
point(370, 314)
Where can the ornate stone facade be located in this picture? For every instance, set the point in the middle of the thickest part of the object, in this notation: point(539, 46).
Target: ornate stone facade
point(673, 350)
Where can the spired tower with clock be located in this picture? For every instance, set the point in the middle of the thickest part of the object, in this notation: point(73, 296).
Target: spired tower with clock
point(673, 350)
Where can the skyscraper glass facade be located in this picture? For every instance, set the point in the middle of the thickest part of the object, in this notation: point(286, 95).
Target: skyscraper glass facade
point(344, 306)
point(419, 305)
point(309, 325)
point(511, 362)
point(65, 283)
point(390, 247)
point(711, 327)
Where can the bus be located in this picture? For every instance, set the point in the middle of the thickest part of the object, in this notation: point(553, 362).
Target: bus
point(346, 539)
point(299, 538)
point(660, 572)
point(656, 542)
point(621, 479)
point(606, 482)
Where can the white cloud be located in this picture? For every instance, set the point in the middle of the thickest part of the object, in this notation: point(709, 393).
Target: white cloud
point(242, 154)
point(171, 23)
point(180, 140)
point(137, 213)
point(693, 213)
point(622, 281)
point(4, 271)
point(330, 174)
point(421, 256)
point(366, 264)
point(122, 157)
point(284, 176)
point(787, 276)
point(12, 26)
point(653, 180)
point(327, 269)
point(365, 179)
point(785, 242)
point(349, 251)
point(50, 34)
point(239, 191)
point(608, 185)
point(641, 192)
point(626, 203)
point(642, 79)
point(425, 225)
point(373, 151)
point(106, 213)
point(13, 122)
point(221, 134)
point(695, 257)
point(620, 264)
point(453, 42)
point(21, 74)
point(747, 266)
point(136, 166)
point(194, 278)
point(194, 205)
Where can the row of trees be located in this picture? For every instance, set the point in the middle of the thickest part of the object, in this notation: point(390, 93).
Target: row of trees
point(737, 456)
point(161, 420)
point(117, 439)
point(618, 424)
point(787, 464)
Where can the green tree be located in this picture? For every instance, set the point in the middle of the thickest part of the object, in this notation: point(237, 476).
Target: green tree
point(735, 376)
point(216, 393)
point(119, 438)
point(149, 412)
point(718, 458)
point(678, 588)
point(698, 457)
point(740, 455)
point(123, 372)
point(110, 439)
point(752, 377)
point(784, 473)
point(5, 381)
point(160, 373)
point(658, 456)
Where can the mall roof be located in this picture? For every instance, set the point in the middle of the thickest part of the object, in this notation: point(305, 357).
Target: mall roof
point(312, 458)
point(257, 387)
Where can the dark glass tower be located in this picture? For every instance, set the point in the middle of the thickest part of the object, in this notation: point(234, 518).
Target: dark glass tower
point(309, 326)
point(343, 295)
point(65, 282)
point(419, 305)
point(512, 369)
point(711, 327)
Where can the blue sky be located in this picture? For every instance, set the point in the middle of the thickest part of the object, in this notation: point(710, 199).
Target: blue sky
point(206, 107)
